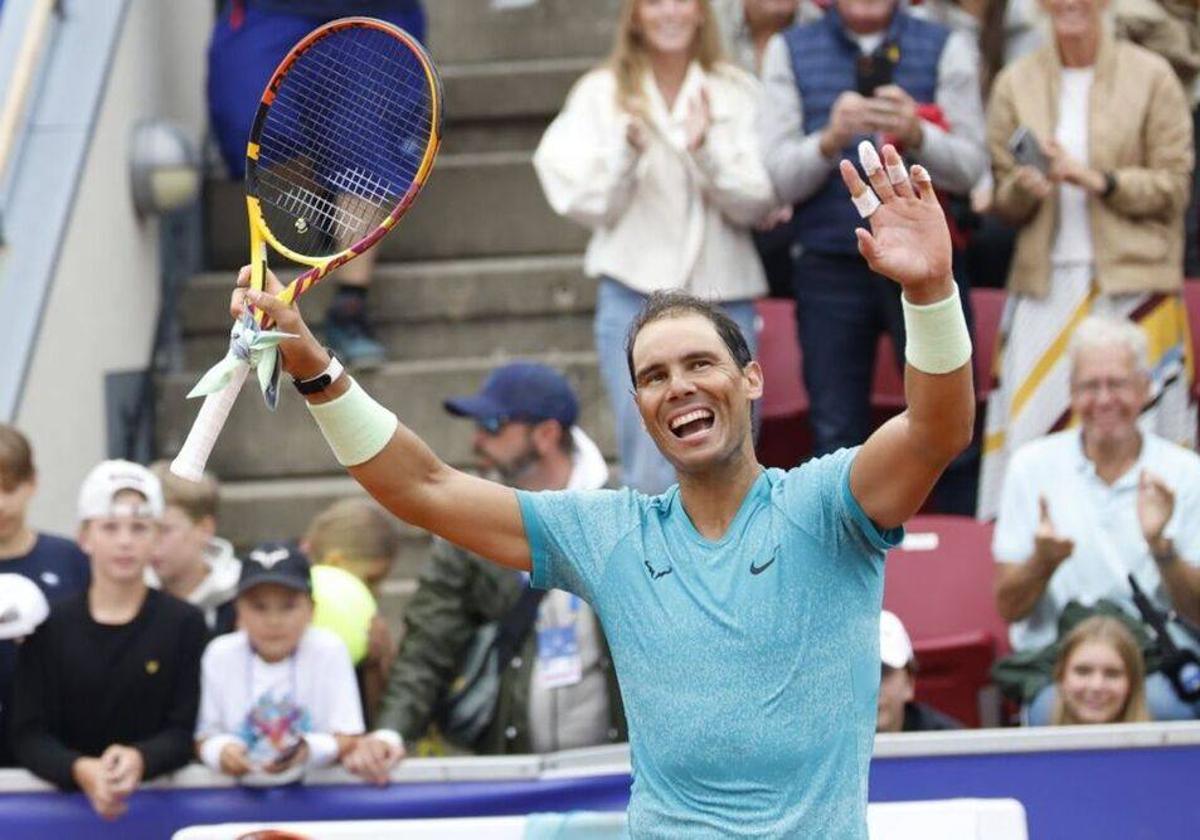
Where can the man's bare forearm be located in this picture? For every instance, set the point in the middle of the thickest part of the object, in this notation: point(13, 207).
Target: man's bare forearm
point(1182, 582)
point(1019, 587)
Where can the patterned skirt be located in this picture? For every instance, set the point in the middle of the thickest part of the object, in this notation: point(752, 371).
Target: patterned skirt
point(1031, 395)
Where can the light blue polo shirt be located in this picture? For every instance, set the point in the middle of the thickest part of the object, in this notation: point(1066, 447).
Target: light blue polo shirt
point(749, 665)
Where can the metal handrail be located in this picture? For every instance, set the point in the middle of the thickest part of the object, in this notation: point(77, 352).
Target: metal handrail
point(21, 82)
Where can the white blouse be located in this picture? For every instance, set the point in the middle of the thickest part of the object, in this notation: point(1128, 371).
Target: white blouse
point(664, 218)
point(1073, 241)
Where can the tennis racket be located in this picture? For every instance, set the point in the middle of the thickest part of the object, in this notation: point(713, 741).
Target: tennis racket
point(343, 141)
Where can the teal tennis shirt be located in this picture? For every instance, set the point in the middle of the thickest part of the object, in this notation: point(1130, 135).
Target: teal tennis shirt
point(749, 665)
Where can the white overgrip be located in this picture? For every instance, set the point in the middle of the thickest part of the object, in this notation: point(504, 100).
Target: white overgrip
point(189, 463)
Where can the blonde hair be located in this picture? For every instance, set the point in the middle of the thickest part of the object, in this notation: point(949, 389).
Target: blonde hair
point(197, 499)
point(628, 60)
point(1112, 632)
point(358, 528)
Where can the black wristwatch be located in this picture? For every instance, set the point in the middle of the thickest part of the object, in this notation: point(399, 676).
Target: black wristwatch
point(322, 380)
point(1110, 185)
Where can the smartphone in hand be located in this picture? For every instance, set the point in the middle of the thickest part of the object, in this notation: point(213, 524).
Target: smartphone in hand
point(873, 71)
point(1027, 151)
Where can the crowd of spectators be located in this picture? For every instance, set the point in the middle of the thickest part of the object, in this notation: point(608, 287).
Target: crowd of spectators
point(702, 156)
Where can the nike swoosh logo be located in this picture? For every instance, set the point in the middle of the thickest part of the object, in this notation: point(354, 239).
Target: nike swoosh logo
point(758, 570)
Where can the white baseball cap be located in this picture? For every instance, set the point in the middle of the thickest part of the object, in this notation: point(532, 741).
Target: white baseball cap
point(22, 606)
point(895, 648)
point(109, 478)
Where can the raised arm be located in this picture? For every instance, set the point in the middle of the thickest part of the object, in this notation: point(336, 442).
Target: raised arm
point(910, 243)
point(401, 471)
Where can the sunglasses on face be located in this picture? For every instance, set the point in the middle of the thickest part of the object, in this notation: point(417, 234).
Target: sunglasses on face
point(492, 425)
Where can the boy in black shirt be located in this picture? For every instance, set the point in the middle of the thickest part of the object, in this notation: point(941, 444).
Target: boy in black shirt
point(107, 688)
point(55, 564)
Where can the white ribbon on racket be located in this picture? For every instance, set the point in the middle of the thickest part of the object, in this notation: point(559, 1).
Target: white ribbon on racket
point(252, 346)
point(249, 347)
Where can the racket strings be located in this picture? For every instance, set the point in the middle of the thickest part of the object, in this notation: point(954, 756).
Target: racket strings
point(343, 141)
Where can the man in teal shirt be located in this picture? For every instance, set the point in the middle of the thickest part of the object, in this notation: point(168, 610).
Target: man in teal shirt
point(742, 605)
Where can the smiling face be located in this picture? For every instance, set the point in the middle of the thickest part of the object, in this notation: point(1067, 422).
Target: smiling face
point(1075, 18)
point(693, 397)
point(668, 27)
point(1107, 393)
point(1095, 683)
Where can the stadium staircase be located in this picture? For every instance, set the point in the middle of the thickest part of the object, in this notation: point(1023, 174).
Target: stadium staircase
point(480, 271)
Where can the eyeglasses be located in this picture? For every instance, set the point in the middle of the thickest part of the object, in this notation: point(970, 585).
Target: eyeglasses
point(1115, 384)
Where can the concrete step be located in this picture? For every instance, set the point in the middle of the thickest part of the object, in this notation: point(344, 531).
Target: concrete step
point(475, 205)
point(257, 444)
point(508, 306)
point(505, 105)
point(256, 511)
point(472, 30)
point(414, 292)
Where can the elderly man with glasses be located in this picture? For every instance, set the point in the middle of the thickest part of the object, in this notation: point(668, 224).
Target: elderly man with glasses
point(1083, 509)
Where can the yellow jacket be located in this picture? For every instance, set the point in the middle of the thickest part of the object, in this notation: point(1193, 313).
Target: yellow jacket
point(1140, 130)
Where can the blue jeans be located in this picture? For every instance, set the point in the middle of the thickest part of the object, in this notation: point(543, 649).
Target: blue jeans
point(1163, 702)
point(642, 466)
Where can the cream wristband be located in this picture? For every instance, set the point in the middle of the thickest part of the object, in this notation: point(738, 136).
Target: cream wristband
point(356, 427)
point(937, 337)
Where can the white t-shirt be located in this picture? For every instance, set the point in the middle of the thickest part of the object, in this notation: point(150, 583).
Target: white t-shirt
point(1100, 518)
point(316, 685)
point(1073, 241)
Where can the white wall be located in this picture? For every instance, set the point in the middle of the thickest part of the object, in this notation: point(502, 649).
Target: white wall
point(101, 311)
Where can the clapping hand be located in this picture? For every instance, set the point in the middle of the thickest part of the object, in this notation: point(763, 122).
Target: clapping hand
point(1049, 547)
point(698, 121)
point(1155, 504)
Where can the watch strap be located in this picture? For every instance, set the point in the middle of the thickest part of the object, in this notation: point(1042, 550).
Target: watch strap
point(322, 380)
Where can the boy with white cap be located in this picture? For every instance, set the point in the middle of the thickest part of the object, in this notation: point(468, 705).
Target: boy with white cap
point(898, 712)
point(107, 687)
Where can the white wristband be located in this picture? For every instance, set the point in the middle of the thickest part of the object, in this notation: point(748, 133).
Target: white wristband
point(356, 427)
point(937, 340)
point(211, 748)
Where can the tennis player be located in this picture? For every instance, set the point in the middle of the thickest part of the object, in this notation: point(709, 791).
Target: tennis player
point(742, 605)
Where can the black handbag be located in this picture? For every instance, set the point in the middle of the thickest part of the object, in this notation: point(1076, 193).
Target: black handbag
point(470, 704)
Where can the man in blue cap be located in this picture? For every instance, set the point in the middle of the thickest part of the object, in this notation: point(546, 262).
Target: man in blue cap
point(557, 690)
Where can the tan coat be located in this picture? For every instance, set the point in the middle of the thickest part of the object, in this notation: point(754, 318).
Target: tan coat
point(1140, 130)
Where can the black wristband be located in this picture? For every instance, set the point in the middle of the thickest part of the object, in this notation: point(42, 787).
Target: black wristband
point(1110, 185)
point(322, 380)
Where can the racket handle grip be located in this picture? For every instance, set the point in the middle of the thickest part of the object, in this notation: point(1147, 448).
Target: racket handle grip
point(189, 463)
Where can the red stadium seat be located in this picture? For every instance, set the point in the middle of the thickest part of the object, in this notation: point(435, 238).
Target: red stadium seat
point(939, 582)
point(988, 307)
point(952, 672)
point(784, 438)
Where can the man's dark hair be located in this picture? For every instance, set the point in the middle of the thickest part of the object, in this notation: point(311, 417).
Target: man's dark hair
point(673, 304)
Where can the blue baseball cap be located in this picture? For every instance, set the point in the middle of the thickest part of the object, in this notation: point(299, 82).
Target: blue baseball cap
point(521, 391)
